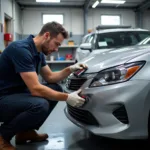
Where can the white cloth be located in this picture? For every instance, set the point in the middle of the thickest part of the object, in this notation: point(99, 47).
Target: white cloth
point(77, 66)
point(74, 99)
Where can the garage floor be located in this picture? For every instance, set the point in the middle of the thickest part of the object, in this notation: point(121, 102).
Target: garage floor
point(63, 135)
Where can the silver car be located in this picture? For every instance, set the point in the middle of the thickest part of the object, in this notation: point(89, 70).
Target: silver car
point(117, 91)
point(107, 39)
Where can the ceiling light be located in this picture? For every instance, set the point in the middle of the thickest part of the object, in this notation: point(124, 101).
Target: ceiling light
point(95, 4)
point(48, 1)
point(113, 1)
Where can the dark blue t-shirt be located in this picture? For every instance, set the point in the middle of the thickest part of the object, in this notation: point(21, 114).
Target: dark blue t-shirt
point(19, 56)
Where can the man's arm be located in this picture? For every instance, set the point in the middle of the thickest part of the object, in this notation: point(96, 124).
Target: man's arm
point(37, 89)
point(54, 77)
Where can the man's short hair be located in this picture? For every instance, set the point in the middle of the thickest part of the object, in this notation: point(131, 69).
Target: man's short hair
point(54, 28)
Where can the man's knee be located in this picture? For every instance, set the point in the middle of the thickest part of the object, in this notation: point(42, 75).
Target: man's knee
point(40, 107)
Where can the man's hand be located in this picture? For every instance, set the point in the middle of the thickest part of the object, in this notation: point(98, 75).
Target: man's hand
point(77, 66)
point(74, 99)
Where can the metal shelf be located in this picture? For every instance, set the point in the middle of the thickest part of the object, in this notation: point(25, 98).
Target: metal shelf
point(69, 46)
point(60, 61)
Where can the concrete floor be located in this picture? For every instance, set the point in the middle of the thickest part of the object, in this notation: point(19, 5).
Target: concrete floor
point(64, 135)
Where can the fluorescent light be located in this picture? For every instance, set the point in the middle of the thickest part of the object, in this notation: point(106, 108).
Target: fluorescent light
point(95, 4)
point(48, 1)
point(113, 1)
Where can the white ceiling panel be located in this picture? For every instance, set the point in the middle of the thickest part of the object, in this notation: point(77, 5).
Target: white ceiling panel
point(62, 3)
point(128, 3)
point(79, 3)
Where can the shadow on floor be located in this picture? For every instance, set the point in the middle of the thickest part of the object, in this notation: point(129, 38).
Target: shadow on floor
point(33, 146)
point(100, 143)
point(64, 135)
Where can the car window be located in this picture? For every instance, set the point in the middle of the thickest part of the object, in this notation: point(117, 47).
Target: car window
point(134, 39)
point(84, 39)
point(90, 39)
point(145, 41)
point(148, 42)
point(87, 38)
point(117, 39)
point(143, 35)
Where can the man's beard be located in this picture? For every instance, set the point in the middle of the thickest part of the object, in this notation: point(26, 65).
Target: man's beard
point(45, 49)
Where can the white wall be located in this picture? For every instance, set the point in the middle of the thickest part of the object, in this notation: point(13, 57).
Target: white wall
point(32, 18)
point(73, 18)
point(11, 9)
point(18, 19)
point(127, 16)
point(146, 20)
point(6, 8)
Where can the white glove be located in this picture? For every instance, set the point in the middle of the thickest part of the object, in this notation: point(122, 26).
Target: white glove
point(74, 99)
point(77, 66)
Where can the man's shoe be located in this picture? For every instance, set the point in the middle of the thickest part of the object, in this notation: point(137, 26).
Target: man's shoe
point(4, 145)
point(31, 136)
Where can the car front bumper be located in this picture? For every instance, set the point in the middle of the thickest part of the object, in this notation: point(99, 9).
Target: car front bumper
point(117, 111)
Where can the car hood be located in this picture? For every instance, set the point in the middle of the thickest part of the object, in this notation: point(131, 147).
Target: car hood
point(100, 61)
point(97, 51)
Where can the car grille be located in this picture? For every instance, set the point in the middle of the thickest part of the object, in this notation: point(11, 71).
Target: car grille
point(121, 115)
point(82, 116)
point(75, 83)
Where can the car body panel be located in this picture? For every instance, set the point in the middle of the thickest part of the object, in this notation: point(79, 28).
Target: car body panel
point(98, 62)
point(101, 102)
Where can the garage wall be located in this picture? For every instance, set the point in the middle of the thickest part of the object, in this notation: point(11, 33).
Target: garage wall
point(31, 18)
point(127, 16)
point(146, 20)
point(6, 8)
point(11, 9)
point(73, 19)
point(18, 22)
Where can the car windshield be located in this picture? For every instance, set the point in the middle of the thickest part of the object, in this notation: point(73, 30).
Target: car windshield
point(145, 41)
point(118, 39)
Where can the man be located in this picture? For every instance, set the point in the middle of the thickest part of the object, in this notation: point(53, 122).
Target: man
point(25, 103)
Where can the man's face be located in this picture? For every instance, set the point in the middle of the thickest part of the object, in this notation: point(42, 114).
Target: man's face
point(51, 44)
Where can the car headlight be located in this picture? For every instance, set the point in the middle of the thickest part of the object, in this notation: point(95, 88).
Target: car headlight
point(116, 74)
point(89, 75)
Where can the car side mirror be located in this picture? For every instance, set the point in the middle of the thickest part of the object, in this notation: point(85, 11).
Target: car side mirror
point(86, 46)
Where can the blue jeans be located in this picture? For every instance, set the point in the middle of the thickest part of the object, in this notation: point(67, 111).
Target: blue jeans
point(22, 112)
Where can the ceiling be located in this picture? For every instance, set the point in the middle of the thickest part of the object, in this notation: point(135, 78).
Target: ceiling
point(82, 3)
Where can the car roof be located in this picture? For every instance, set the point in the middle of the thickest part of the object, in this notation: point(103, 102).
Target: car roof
point(114, 30)
point(119, 30)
